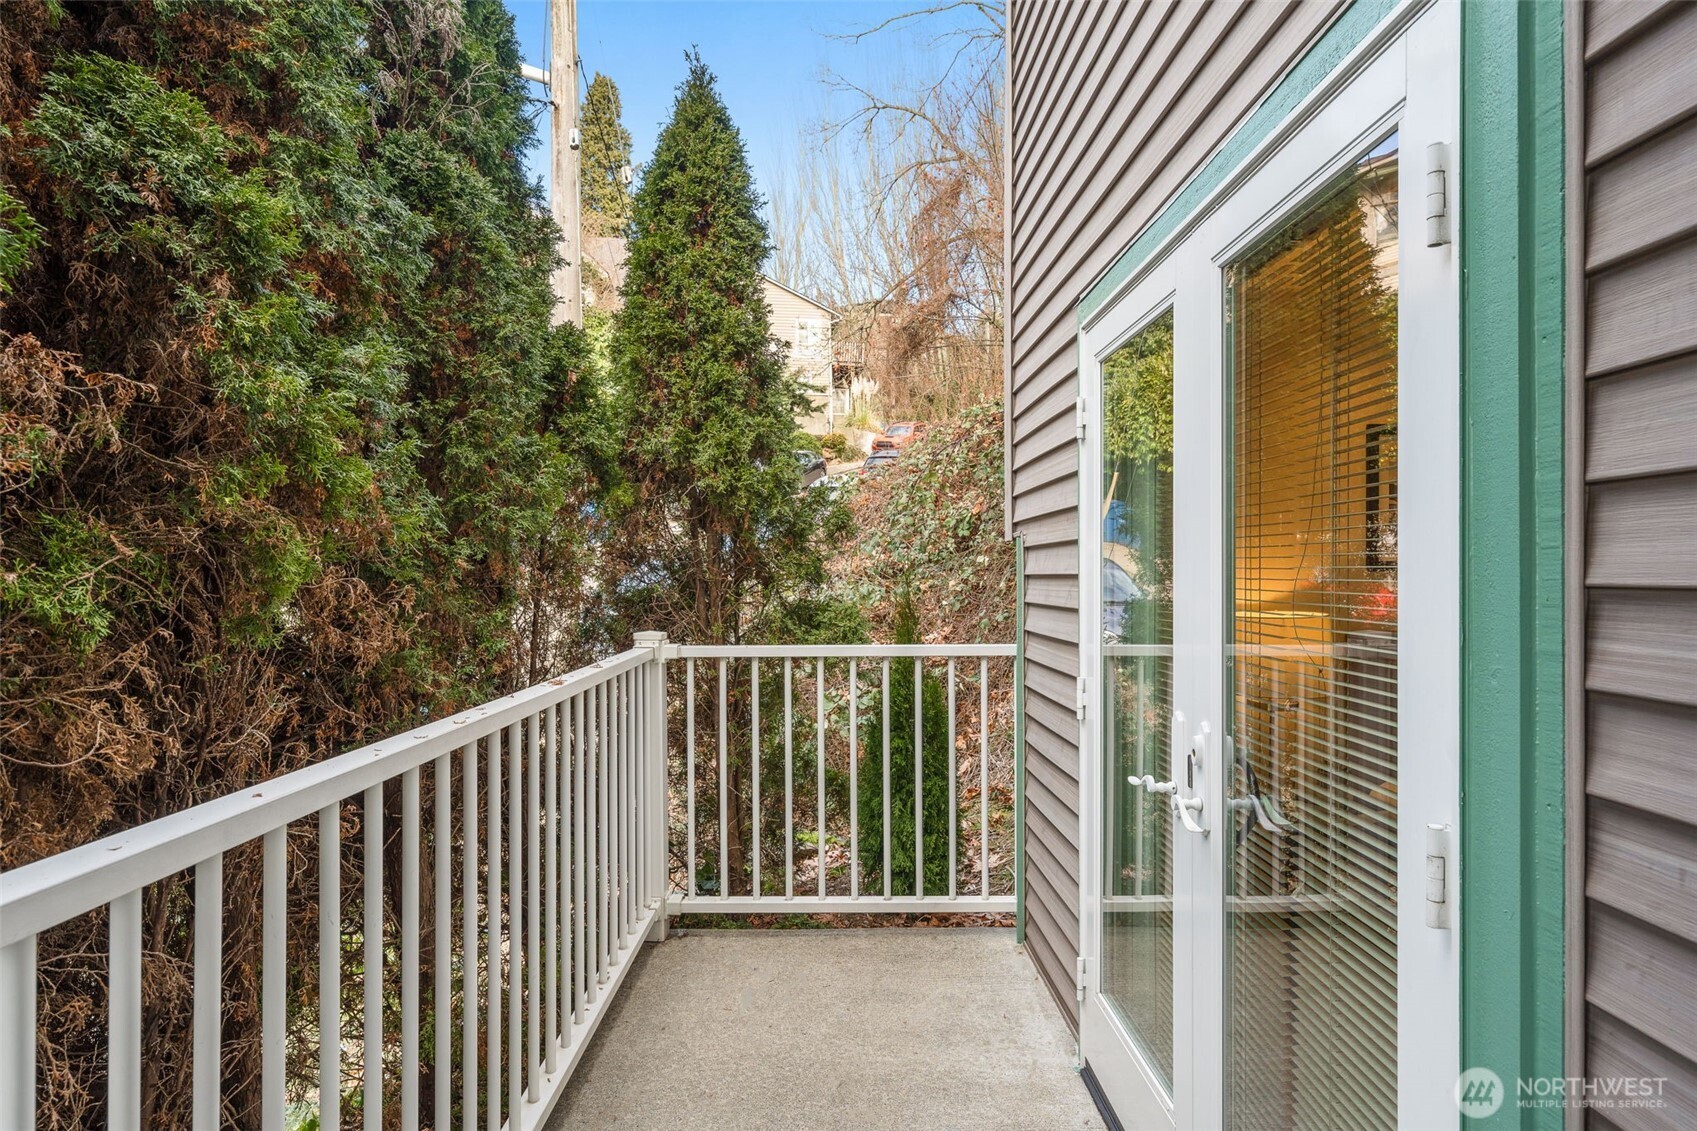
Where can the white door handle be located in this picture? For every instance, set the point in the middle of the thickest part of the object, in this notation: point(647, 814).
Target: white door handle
point(1180, 807)
point(1183, 807)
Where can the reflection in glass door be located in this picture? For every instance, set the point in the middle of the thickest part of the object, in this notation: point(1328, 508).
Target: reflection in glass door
point(1311, 860)
point(1137, 677)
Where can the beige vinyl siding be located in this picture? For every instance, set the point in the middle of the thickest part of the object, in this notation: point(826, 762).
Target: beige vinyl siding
point(788, 309)
point(1113, 108)
point(1639, 248)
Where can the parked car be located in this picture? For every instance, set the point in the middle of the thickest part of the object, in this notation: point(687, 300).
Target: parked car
point(812, 466)
point(900, 435)
point(881, 459)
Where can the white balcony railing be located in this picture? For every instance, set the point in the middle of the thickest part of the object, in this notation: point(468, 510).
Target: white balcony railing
point(549, 833)
point(842, 699)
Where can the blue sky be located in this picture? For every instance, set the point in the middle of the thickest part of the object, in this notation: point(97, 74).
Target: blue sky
point(770, 59)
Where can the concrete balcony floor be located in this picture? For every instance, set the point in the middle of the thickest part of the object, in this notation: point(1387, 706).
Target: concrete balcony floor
point(882, 1028)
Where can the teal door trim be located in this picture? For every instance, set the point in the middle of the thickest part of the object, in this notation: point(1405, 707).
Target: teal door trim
point(1511, 236)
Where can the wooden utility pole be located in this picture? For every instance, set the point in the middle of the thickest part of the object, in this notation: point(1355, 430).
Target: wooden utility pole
point(562, 92)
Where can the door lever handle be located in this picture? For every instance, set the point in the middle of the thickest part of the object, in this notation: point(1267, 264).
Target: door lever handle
point(1183, 807)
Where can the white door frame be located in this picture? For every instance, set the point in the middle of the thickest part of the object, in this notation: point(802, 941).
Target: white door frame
point(1133, 1087)
point(1367, 97)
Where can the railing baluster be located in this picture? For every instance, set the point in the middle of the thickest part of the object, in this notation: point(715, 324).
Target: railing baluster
point(886, 821)
point(409, 947)
point(918, 779)
point(371, 978)
point(551, 885)
point(659, 762)
point(533, 908)
point(492, 942)
point(603, 883)
point(515, 919)
point(468, 939)
point(330, 967)
point(626, 795)
point(633, 793)
point(819, 734)
point(570, 911)
point(724, 796)
point(689, 774)
point(984, 777)
point(208, 991)
point(854, 779)
point(123, 1073)
point(274, 960)
point(613, 732)
point(580, 859)
point(639, 794)
point(754, 804)
point(441, 1000)
point(954, 772)
point(789, 784)
point(592, 844)
point(621, 788)
point(17, 1034)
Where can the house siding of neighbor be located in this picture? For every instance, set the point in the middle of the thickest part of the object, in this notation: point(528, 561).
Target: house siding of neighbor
point(1113, 108)
point(805, 327)
point(1635, 377)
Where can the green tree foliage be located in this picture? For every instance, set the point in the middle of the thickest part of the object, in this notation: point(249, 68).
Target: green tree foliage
point(1137, 391)
point(931, 527)
point(716, 535)
point(287, 445)
point(937, 765)
point(604, 155)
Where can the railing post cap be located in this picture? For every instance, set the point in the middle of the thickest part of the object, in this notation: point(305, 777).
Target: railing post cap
point(649, 638)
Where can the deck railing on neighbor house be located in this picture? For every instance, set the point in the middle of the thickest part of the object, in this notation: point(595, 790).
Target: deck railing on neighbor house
point(557, 835)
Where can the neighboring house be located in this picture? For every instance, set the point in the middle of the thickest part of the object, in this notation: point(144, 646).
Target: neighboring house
point(803, 325)
point(1340, 781)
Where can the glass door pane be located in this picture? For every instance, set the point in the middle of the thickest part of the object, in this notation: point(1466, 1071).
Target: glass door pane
point(1137, 659)
point(1311, 884)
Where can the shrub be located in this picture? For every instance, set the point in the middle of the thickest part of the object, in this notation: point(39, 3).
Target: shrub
point(836, 446)
point(937, 765)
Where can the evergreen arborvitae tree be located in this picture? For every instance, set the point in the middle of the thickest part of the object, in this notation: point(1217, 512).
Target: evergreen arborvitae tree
point(284, 435)
point(604, 156)
point(717, 532)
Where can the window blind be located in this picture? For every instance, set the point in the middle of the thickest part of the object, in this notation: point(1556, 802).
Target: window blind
point(1311, 905)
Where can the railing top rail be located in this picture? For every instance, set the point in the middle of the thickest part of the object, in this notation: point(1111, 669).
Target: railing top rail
point(48, 892)
point(836, 651)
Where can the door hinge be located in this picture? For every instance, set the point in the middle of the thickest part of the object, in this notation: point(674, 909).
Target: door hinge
point(1081, 980)
point(1440, 882)
point(1081, 414)
point(1083, 697)
point(1437, 195)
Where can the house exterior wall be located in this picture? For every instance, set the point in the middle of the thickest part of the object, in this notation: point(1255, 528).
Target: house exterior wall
point(805, 327)
point(1636, 387)
point(1113, 108)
